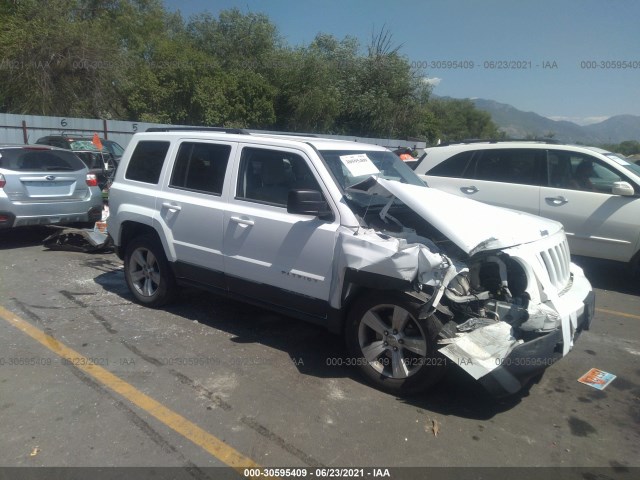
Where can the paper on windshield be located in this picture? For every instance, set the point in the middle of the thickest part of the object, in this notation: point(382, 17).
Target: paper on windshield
point(359, 164)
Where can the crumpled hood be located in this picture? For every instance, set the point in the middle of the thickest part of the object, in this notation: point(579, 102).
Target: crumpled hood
point(471, 225)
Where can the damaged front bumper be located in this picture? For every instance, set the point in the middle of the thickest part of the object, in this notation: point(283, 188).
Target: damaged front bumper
point(501, 295)
point(527, 336)
point(528, 359)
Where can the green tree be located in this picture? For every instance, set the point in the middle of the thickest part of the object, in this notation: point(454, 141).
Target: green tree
point(233, 91)
point(175, 74)
point(54, 57)
point(384, 95)
point(628, 147)
point(131, 59)
point(310, 84)
point(460, 119)
point(237, 40)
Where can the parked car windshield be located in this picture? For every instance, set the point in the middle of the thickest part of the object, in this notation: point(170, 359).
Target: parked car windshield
point(84, 145)
point(624, 162)
point(352, 167)
point(38, 159)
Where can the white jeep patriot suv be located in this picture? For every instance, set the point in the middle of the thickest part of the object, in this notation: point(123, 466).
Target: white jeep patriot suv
point(345, 235)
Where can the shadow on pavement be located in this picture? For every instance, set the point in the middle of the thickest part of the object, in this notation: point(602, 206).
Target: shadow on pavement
point(23, 237)
point(314, 350)
point(459, 395)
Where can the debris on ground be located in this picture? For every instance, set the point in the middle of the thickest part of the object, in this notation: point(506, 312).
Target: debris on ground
point(78, 240)
point(35, 451)
point(433, 426)
point(597, 378)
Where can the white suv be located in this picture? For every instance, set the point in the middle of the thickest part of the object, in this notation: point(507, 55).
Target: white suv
point(594, 193)
point(345, 235)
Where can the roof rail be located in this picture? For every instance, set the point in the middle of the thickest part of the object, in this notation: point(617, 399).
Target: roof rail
point(468, 140)
point(494, 140)
point(240, 131)
point(549, 140)
point(284, 134)
point(72, 133)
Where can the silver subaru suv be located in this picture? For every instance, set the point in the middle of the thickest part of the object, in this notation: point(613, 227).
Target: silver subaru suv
point(43, 185)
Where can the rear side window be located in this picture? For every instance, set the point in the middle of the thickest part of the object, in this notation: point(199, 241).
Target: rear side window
point(91, 159)
point(37, 160)
point(200, 167)
point(146, 161)
point(451, 167)
point(511, 165)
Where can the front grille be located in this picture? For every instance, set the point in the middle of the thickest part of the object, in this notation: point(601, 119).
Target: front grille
point(557, 261)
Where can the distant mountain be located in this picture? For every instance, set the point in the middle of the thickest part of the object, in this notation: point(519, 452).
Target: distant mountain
point(518, 124)
point(618, 128)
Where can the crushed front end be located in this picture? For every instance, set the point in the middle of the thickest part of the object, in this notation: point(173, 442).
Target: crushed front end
point(514, 312)
point(498, 286)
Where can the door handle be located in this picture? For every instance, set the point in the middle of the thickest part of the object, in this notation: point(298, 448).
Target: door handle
point(242, 221)
point(172, 206)
point(557, 200)
point(471, 189)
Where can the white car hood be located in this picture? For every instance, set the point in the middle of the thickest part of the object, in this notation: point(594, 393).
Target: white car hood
point(471, 225)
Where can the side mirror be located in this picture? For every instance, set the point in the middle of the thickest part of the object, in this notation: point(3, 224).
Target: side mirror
point(307, 202)
point(622, 188)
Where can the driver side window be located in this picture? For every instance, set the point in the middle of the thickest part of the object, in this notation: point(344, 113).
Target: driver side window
point(588, 174)
point(267, 176)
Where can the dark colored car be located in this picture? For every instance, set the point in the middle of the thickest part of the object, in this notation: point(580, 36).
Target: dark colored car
point(115, 149)
point(101, 163)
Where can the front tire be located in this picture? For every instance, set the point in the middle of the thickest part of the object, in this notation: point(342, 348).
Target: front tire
point(148, 273)
point(393, 348)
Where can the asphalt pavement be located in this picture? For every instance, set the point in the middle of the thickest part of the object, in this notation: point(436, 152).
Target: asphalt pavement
point(90, 379)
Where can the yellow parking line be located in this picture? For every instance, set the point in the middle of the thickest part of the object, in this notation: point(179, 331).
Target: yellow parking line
point(176, 422)
point(620, 314)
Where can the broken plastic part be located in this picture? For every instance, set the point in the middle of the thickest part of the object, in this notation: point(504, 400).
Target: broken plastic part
point(384, 214)
point(474, 323)
point(541, 319)
point(482, 350)
point(78, 240)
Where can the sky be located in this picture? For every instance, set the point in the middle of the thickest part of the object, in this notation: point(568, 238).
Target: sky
point(576, 60)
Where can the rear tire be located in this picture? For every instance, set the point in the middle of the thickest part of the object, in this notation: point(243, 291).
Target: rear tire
point(147, 272)
point(392, 347)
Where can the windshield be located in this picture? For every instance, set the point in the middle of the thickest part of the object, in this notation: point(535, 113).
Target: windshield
point(84, 145)
point(351, 167)
point(624, 162)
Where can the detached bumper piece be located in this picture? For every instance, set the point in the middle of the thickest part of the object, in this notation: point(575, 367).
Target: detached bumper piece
point(528, 359)
point(78, 240)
